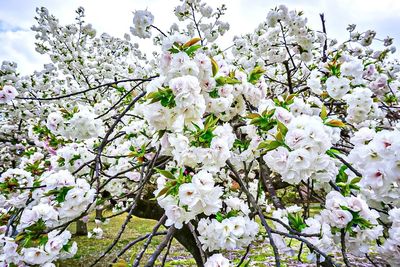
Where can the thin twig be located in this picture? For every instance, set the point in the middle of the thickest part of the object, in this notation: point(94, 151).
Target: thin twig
point(348, 165)
point(140, 255)
point(324, 56)
point(343, 247)
point(84, 91)
point(309, 244)
point(134, 242)
point(370, 260)
point(244, 255)
point(166, 253)
point(158, 29)
point(142, 182)
point(264, 171)
point(161, 247)
point(198, 243)
point(260, 214)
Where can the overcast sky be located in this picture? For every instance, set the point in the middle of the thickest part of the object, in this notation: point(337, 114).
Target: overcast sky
point(114, 17)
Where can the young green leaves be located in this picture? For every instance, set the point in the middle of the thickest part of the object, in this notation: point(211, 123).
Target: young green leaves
point(255, 75)
point(189, 47)
point(164, 96)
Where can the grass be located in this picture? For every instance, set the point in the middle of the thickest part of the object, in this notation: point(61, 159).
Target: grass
point(90, 249)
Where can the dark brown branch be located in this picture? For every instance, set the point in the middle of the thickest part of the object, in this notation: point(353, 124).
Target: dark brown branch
point(105, 139)
point(145, 246)
point(196, 23)
point(309, 244)
point(134, 242)
point(290, 229)
point(166, 253)
point(143, 181)
point(370, 260)
point(158, 29)
point(289, 77)
point(348, 165)
point(84, 91)
point(198, 243)
point(324, 56)
point(343, 247)
point(161, 247)
point(244, 255)
point(120, 100)
point(265, 175)
point(286, 44)
point(258, 210)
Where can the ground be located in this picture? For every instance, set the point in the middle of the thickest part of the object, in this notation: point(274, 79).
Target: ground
point(90, 249)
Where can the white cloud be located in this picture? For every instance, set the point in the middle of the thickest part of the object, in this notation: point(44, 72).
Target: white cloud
point(18, 46)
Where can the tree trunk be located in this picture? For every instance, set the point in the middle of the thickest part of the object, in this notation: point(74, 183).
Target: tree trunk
point(99, 214)
point(81, 228)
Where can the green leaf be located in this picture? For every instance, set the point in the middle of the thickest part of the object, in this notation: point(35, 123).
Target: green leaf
point(269, 145)
point(290, 99)
point(191, 42)
point(282, 128)
point(332, 152)
point(61, 162)
point(206, 137)
point(166, 173)
point(192, 49)
point(253, 116)
point(214, 66)
point(43, 240)
point(214, 93)
point(264, 123)
point(163, 191)
point(152, 95)
point(164, 95)
point(232, 213)
point(296, 222)
point(63, 193)
point(342, 176)
point(226, 80)
point(255, 75)
point(219, 217)
point(324, 113)
point(279, 137)
point(74, 158)
point(268, 113)
point(354, 187)
point(335, 123)
point(241, 144)
point(355, 180)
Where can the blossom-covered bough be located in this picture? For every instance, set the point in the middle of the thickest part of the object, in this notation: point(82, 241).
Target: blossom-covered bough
point(203, 140)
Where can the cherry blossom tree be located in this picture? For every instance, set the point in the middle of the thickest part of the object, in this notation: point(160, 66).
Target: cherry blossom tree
point(203, 139)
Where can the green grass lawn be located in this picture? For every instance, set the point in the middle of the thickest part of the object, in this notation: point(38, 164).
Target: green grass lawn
point(90, 249)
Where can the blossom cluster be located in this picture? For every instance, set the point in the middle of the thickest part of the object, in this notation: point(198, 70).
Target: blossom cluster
point(81, 124)
point(390, 248)
point(306, 141)
point(231, 233)
point(193, 198)
point(377, 156)
point(352, 216)
point(57, 197)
